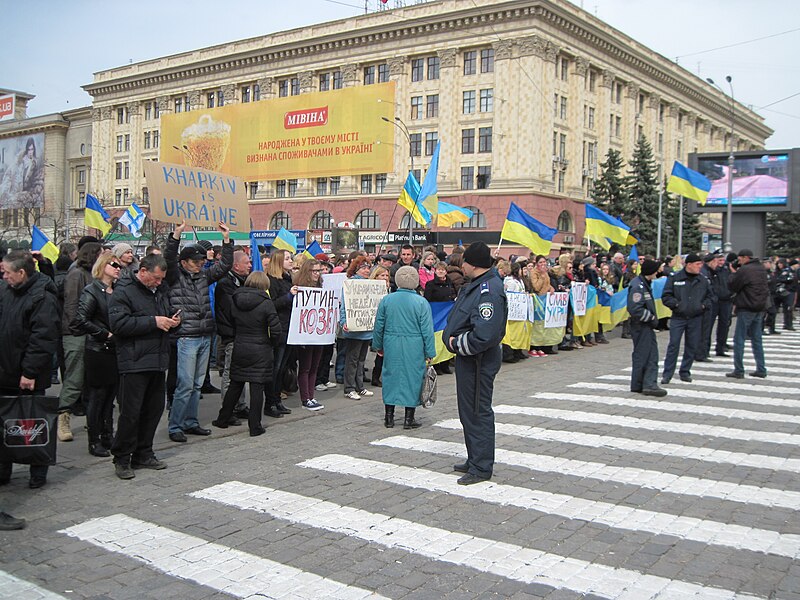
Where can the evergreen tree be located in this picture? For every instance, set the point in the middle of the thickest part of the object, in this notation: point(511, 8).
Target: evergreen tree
point(641, 190)
point(608, 193)
point(783, 234)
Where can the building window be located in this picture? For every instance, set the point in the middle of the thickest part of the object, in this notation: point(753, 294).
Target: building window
point(467, 178)
point(564, 221)
point(468, 102)
point(560, 179)
point(478, 220)
point(618, 126)
point(121, 115)
point(146, 140)
point(366, 184)
point(563, 112)
point(592, 81)
point(335, 184)
point(252, 190)
point(680, 120)
point(485, 139)
point(156, 110)
point(117, 197)
point(81, 199)
point(369, 75)
point(433, 67)
point(283, 88)
point(246, 94)
point(127, 143)
point(118, 170)
point(618, 93)
point(368, 219)
point(383, 73)
point(119, 143)
point(156, 138)
point(415, 147)
point(337, 80)
point(417, 69)
point(484, 177)
point(591, 117)
point(295, 86)
point(280, 188)
point(148, 111)
point(487, 60)
point(380, 183)
point(292, 188)
point(679, 150)
point(145, 195)
point(178, 105)
point(220, 98)
point(467, 141)
point(321, 219)
point(416, 107)
point(324, 82)
point(660, 143)
point(210, 99)
point(82, 176)
point(432, 106)
point(322, 186)
point(127, 170)
point(470, 62)
point(407, 223)
point(564, 68)
point(430, 142)
point(125, 194)
point(661, 113)
point(280, 219)
point(487, 100)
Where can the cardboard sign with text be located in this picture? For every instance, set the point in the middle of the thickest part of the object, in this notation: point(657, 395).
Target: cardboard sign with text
point(580, 294)
point(200, 197)
point(555, 309)
point(315, 313)
point(517, 306)
point(361, 299)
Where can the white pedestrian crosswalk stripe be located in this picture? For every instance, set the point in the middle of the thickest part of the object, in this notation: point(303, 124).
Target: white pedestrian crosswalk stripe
point(683, 392)
point(700, 429)
point(570, 507)
point(218, 567)
point(699, 372)
point(665, 482)
point(772, 390)
point(486, 555)
point(594, 441)
point(19, 589)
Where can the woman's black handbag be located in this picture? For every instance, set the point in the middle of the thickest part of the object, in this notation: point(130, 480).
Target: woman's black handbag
point(289, 383)
point(29, 429)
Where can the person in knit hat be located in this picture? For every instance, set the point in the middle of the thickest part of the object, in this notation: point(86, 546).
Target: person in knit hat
point(642, 310)
point(124, 252)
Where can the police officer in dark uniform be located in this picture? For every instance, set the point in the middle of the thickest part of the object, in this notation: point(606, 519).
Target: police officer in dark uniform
point(724, 304)
point(709, 271)
point(642, 310)
point(475, 327)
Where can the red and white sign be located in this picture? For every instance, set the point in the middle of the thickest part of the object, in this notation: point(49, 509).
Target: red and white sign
point(310, 117)
point(7, 107)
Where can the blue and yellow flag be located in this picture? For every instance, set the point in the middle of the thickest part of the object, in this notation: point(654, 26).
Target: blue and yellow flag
point(662, 312)
point(429, 192)
point(688, 183)
point(255, 255)
point(439, 313)
point(603, 229)
point(450, 214)
point(133, 219)
point(41, 243)
point(523, 229)
point(96, 216)
point(408, 200)
point(313, 249)
point(285, 240)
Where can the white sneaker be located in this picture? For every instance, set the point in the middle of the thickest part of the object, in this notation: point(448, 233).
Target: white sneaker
point(353, 395)
point(366, 393)
point(312, 405)
point(321, 387)
point(331, 384)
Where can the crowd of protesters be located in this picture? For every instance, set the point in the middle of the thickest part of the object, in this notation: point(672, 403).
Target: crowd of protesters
point(111, 325)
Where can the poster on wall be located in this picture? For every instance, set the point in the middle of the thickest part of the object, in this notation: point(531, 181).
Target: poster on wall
point(320, 134)
point(22, 171)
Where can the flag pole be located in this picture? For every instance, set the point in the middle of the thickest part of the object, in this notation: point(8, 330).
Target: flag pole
point(497, 252)
point(660, 206)
point(680, 226)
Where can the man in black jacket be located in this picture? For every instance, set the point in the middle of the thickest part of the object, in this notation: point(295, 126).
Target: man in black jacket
point(29, 328)
point(188, 293)
point(642, 309)
point(709, 271)
point(751, 296)
point(140, 319)
point(687, 294)
point(724, 304)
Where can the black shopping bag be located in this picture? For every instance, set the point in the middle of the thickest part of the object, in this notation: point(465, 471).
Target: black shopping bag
point(29, 429)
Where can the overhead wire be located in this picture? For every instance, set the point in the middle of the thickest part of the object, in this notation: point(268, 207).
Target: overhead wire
point(766, 37)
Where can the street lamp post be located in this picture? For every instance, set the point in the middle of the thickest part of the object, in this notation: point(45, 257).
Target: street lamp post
point(729, 209)
point(398, 122)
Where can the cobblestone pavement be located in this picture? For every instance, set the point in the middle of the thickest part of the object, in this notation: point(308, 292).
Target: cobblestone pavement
point(597, 493)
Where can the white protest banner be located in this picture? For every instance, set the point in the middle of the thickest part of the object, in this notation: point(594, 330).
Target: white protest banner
point(361, 299)
point(314, 317)
point(555, 309)
point(517, 306)
point(580, 293)
point(334, 281)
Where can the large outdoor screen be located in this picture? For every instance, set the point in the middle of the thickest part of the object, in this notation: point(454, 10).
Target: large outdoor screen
point(758, 180)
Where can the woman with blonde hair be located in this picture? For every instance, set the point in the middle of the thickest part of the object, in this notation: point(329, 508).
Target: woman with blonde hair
point(426, 268)
point(257, 330)
point(279, 271)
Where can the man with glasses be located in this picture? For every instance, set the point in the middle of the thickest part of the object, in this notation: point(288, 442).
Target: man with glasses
point(140, 319)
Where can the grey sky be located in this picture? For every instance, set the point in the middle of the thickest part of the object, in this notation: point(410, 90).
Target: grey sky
point(58, 45)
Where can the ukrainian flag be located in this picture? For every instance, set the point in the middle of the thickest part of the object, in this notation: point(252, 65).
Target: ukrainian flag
point(603, 229)
point(688, 183)
point(285, 240)
point(41, 243)
point(584, 325)
point(440, 312)
point(96, 216)
point(619, 307)
point(314, 249)
point(657, 288)
point(255, 255)
point(408, 200)
point(450, 214)
point(541, 335)
point(429, 192)
point(523, 229)
point(603, 307)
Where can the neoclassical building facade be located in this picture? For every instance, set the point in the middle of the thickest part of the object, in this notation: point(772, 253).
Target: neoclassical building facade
point(527, 97)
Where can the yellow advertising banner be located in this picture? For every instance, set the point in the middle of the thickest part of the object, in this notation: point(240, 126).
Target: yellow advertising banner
point(322, 134)
point(198, 196)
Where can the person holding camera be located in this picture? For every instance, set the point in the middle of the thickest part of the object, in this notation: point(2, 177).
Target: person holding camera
point(748, 283)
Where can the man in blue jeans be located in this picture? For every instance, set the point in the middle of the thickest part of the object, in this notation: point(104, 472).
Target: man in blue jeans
point(189, 298)
point(749, 284)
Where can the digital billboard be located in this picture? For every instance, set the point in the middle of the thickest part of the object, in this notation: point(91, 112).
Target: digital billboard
point(22, 171)
point(759, 179)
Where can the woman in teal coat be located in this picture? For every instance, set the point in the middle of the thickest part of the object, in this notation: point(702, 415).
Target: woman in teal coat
point(404, 334)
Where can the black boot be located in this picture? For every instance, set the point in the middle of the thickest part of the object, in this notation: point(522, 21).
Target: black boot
point(271, 410)
point(409, 422)
point(388, 419)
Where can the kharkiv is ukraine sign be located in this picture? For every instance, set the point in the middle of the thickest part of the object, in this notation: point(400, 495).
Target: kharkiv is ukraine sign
point(322, 134)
